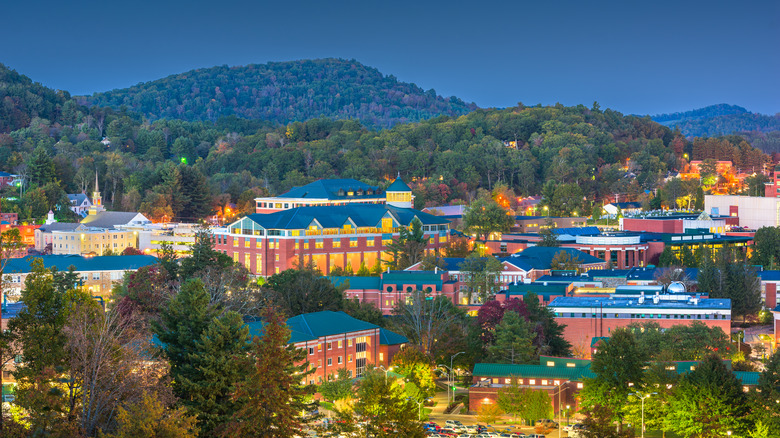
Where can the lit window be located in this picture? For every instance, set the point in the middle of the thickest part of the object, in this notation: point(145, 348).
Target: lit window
point(550, 363)
point(340, 360)
point(544, 382)
point(579, 386)
point(370, 241)
point(330, 345)
point(339, 344)
point(381, 357)
point(235, 241)
point(247, 243)
point(319, 347)
point(349, 358)
point(259, 244)
point(337, 243)
point(532, 381)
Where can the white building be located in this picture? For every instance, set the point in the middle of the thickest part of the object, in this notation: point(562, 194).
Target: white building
point(753, 212)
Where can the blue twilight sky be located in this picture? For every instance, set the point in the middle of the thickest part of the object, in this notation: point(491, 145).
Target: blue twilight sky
point(645, 57)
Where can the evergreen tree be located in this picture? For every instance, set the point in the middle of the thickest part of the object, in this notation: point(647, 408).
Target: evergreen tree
point(272, 397)
point(41, 167)
point(218, 366)
point(45, 389)
point(514, 340)
point(549, 338)
point(197, 200)
point(511, 399)
point(203, 256)
point(618, 362)
point(709, 401)
point(385, 405)
point(180, 330)
point(363, 270)
point(667, 258)
point(408, 248)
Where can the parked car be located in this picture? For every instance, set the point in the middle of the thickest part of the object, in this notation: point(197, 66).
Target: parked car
point(453, 423)
point(9, 398)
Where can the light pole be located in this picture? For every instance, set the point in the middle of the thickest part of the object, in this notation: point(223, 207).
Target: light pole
point(567, 414)
point(449, 372)
point(385, 370)
point(643, 397)
point(560, 392)
point(452, 374)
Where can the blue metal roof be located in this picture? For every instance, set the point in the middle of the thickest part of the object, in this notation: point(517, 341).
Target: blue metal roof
point(540, 257)
point(611, 302)
point(10, 310)
point(81, 263)
point(648, 274)
point(577, 231)
point(329, 189)
point(768, 275)
point(335, 216)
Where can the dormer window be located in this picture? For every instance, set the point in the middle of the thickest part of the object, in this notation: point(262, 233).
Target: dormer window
point(341, 192)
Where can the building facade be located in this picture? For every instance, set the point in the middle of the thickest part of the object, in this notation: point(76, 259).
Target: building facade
point(345, 236)
point(586, 318)
point(323, 192)
point(335, 340)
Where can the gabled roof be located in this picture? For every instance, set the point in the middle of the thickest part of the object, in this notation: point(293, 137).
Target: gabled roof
point(333, 189)
point(363, 215)
point(606, 273)
point(648, 274)
point(60, 226)
point(111, 219)
point(78, 198)
point(357, 283)
point(540, 257)
point(81, 263)
point(768, 275)
point(576, 373)
point(398, 186)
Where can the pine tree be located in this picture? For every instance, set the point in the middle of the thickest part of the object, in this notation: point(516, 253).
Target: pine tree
point(514, 340)
point(219, 364)
point(274, 394)
point(363, 270)
point(180, 329)
point(388, 411)
point(41, 167)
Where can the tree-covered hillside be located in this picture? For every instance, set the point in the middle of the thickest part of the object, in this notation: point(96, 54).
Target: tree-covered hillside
point(283, 92)
point(21, 100)
point(719, 120)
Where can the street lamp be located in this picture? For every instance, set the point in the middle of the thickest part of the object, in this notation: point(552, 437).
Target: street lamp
point(449, 373)
point(643, 397)
point(560, 392)
point(385, 370)
point(567, 414)
point(452, 374)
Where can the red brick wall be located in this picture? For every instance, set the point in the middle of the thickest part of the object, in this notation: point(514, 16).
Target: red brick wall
point(319, 360)
point(580, 331)
point(771, 295)
point(652, 225)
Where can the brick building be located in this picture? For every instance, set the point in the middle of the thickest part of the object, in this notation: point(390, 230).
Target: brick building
point(588, 317)
point(335, 340)
point(392, 287)
point(343, 236)
point(562, 378)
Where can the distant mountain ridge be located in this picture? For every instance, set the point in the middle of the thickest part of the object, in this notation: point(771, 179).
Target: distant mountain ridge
point(283, 92)
point(21, 100)
point(716, 120)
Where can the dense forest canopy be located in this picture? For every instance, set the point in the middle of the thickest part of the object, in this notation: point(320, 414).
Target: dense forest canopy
point(725, 119)
point(576, 157)
point(283, 92)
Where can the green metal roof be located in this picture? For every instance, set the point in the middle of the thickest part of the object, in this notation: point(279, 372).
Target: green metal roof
point(536, 371)
point(361, 283)
point(386, 337)
point(563, 361)
point(748, 377)
point(327, 323)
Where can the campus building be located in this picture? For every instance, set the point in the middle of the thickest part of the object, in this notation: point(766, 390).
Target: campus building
point(586, 318)
point(392, 287)
point(562, 378)
point(99, 232)
point(335, 340)
point(324, 192)
point(97, 274)
point(752, 212)
point(343, 236)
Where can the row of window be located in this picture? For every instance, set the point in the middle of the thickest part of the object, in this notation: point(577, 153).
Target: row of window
point(542, 382)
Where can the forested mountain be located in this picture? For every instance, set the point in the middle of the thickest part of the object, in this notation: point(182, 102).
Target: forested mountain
point(21, 100)
point(283, 92)
point(719, 120)
point(576, 157)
